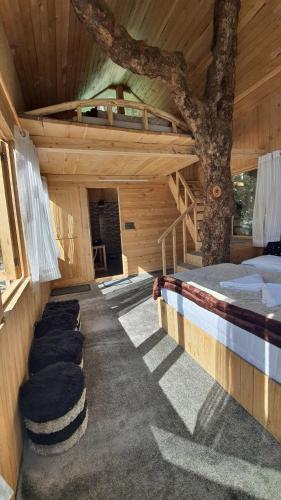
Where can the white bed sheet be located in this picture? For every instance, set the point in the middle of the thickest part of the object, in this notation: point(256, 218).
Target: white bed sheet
point(261, 354)
point(270, 263)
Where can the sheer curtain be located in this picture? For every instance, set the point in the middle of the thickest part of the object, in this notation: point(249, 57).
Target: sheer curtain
point(267, 208)
point(41, 246)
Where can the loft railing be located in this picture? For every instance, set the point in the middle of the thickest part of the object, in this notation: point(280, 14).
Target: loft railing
point(108, 104)
point(173, 229)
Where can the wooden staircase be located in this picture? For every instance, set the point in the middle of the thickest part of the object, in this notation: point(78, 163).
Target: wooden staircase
point(186, 193)
point(190, 203)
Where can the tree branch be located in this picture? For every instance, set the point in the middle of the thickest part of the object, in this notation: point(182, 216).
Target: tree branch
point(221, 72)
point(136, 55)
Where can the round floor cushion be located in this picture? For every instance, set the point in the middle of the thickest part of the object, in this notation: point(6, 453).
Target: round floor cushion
point(52, 349)
point(53, 404)
point(52, 392)
point(56, 321)
point(71, 306)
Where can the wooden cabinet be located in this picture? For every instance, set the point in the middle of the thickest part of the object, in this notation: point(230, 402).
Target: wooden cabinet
point(70, 214)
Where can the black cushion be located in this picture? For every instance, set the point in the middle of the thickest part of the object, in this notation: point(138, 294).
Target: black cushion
point(52, 349)
point(273, 248)
point(59, 321)
point(59, 436)
point(69, 306)
point(56, 331)
point(51, 392)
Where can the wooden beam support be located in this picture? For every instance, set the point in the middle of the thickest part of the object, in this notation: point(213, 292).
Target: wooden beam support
point(84, 146)
point(138, 149)
point(105, 180)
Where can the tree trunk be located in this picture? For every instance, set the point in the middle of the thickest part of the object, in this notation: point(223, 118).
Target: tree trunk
point(214, 148)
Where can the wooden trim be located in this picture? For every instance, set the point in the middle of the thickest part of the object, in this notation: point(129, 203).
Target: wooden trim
point(6, 231)
point(1, 310)
point(255, 391)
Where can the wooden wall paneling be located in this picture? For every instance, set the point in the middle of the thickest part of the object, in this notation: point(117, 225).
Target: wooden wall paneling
point(15, 338)
point(152, 209)
point(255, 391)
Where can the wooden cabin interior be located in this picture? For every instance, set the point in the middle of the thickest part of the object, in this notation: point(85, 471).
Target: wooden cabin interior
point(127, 197)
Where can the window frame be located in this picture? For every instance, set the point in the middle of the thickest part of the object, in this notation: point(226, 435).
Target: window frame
point(11, 235)
point(241, 236)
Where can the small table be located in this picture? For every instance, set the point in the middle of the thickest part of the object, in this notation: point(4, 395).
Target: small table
point(99, 250)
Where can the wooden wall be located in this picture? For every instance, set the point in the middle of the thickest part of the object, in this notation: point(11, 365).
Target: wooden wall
point(8, 71)
point(150, 206)
point(15, 338)
point(152, 209)
point(259, 127)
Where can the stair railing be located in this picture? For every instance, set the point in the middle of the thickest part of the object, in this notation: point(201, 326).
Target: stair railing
point(189, 199)
point(173, 229)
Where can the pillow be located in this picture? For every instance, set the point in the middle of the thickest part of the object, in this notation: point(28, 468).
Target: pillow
point(270, 263)
point(273, 248)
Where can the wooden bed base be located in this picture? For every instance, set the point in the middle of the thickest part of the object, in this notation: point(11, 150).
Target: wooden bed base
point(255, 391)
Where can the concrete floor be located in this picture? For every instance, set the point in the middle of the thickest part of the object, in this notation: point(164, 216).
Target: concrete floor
point(159, 426)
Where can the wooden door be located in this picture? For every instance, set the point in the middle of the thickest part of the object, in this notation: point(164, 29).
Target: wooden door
point(70, 213)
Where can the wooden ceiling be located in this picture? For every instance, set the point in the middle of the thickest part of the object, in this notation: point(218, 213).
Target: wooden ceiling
point(57, 60)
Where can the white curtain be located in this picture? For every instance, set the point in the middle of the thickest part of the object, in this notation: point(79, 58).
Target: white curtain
point(41, 246)
point(267, 208)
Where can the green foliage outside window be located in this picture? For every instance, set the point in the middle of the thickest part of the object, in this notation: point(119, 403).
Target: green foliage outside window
point(244, 186)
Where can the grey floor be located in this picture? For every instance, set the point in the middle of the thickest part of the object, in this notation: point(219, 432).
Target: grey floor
point(159, 426)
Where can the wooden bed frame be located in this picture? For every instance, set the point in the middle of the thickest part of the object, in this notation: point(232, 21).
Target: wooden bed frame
point(255, 391)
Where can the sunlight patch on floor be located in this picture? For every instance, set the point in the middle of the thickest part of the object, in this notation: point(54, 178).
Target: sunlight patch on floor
point(229, 471)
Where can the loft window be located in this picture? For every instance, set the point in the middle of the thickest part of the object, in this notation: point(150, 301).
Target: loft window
point(244, 185)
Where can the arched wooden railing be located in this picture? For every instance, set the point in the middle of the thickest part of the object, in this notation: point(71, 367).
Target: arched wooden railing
point(108, 104)
point(172, 229)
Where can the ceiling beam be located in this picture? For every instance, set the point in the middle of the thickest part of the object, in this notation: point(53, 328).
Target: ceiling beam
point(136, 149)
point(112, 148)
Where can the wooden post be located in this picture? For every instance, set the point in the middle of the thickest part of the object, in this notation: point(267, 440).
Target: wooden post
point(79, 114)
point(175, 249)
point(110, 115)
point(178, 190)
point(184, 238)
point(174, 128)
point(145, 120)
point(164, 266)
point(120, 95)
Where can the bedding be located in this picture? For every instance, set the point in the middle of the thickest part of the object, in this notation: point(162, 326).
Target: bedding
point(237, 319)
point(270, 263)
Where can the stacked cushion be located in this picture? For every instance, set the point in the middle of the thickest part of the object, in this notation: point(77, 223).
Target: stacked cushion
point(273, 248)
point(53, 403)
point(50, 349)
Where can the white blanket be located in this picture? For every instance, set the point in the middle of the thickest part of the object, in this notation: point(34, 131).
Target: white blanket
point(271, 294)
point(250, 283)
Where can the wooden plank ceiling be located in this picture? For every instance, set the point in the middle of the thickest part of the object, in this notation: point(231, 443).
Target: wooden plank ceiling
point(71, 148)
point(57, 60)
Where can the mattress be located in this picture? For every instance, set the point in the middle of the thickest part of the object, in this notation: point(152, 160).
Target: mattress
point(258, 352)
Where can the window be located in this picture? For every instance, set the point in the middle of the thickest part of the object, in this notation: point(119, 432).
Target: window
point(10, 257)
point(244, 185)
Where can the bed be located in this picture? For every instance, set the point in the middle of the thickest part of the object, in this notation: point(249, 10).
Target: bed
point(230, 333)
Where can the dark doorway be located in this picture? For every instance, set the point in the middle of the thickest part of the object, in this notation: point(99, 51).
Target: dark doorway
point(105, 227)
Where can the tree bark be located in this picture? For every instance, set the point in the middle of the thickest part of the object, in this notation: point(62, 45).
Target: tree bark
point(210, 118)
